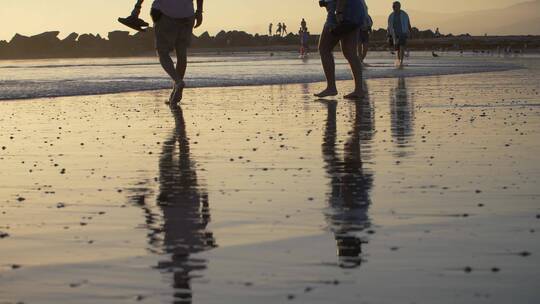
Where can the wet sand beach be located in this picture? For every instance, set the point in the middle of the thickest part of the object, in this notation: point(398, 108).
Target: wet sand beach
point(426, 191)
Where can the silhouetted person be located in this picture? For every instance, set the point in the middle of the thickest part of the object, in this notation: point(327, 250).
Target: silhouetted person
point(284, 29)
point(343, 21)
point(279, 28)
point(304, 42)
point(399, 28)
point(270, 29)
point(402, 115)
point(174, 21)
point(303, 24)
point(349, 198)
point(363, 35)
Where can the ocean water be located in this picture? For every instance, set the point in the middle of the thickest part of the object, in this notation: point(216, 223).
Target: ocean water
point(26, 79)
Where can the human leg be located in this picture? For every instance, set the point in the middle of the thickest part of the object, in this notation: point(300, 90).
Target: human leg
point(327, 43)
point(349, 47)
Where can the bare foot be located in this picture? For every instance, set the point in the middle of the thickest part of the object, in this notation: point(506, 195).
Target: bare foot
point(177, 93)
point(326, 93)
point(355, 95)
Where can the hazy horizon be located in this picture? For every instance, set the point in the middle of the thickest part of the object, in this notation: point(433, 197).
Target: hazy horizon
point(30, 17)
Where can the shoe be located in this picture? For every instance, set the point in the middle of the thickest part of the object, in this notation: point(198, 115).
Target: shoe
point(135, 23)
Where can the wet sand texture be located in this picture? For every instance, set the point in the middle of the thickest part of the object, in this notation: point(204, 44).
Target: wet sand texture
point(426, 192)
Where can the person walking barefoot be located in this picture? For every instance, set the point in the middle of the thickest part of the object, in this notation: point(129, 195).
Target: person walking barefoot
point(344, 18)
point(174, 21)
point(399, 29)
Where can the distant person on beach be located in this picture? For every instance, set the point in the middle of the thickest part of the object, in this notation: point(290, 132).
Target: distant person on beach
point(343, 21)
point(284, 29)
point(303, 33)
point(270, 29)
point(363, 37)
point(399, 29)
point(278, 30)
point(174, 21)
point(303, 24)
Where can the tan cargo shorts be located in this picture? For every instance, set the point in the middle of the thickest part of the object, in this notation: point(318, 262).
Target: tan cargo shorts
point(173, 34)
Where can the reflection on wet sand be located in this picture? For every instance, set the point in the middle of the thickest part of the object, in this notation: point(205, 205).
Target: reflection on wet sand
point(402, 115)
point(185, 213)
point(349, 198)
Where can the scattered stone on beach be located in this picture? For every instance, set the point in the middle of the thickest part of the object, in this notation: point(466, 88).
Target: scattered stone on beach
point(15, 266)
point(21, 199)
point(525, 254)
point(468, 269)
point(60, 205)
point(3, 235)
point(291, 297)
point(495, 269)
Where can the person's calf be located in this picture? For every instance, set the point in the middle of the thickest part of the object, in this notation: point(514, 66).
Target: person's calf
point(168, 65)
point(181, 64)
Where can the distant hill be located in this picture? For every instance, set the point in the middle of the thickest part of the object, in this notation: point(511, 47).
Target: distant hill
point(519, 19)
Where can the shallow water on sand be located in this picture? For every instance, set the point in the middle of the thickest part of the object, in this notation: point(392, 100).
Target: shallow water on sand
point(426, 192)
point(26, 79)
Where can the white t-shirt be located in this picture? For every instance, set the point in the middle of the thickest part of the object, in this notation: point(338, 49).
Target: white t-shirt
point(175, 8)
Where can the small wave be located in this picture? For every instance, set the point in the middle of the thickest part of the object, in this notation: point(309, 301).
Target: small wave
point(118, 77)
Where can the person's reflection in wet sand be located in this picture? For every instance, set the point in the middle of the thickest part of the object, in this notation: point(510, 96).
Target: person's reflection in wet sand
point(185, 208)
point(401, 114)
point(349, 198)
point(185, 212)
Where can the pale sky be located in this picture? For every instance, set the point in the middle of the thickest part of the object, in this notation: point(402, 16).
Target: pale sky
point(30, 17)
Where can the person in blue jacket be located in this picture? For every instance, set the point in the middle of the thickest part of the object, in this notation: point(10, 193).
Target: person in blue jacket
point(399, 30)
point(343, 22)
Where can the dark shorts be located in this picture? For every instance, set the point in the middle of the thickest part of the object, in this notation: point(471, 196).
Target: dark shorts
point(363, 37)
point(400, 41)
point(173, 34)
